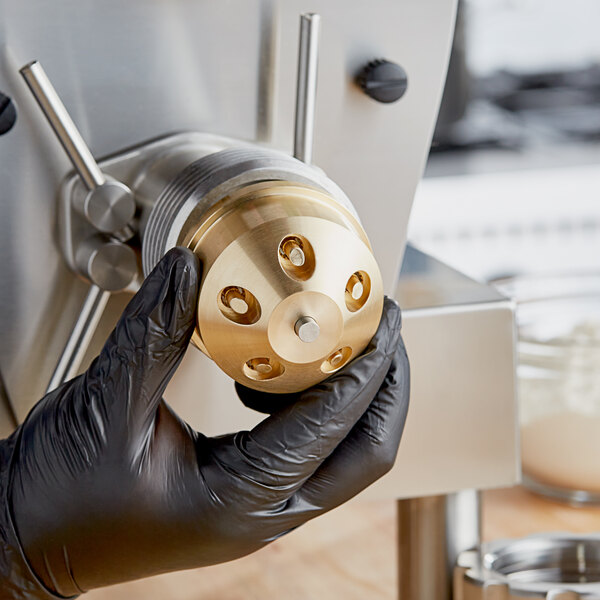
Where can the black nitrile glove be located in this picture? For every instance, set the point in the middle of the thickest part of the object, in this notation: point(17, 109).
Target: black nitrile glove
point(103, 483)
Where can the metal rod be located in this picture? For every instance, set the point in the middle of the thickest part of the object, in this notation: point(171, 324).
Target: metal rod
point(306, 91)
point(432, 532)
point(89, 171)
point(422, 570)
point(62, 124)
point(80, 338)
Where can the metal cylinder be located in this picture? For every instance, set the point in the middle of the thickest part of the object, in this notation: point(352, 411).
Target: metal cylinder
point(306, 90)
point(288, 271)
point(109, 208)
point(62, 124)
point(432, 531)
point(107, 263)
point(307, 329)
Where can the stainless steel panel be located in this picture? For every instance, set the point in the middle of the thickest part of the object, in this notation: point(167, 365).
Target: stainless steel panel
point(461, 431)
point(130, 71)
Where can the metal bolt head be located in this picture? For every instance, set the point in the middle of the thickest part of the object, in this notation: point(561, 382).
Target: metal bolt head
point(307, 329)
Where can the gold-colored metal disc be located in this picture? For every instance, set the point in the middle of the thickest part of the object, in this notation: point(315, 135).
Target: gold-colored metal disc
point(291, 291)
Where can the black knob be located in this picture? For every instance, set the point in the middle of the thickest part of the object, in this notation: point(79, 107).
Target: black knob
point(8, 113)
point(383, 80)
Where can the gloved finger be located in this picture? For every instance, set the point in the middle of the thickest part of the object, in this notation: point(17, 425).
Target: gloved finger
point(365, 455)
point(263, 402)
point(150, 339)
point(287, 447)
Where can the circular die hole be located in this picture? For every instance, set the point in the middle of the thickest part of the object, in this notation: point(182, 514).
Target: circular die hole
point(297, 257)
point(239, 305)
point(358, 289)
point(336, 360)
point(262, 369)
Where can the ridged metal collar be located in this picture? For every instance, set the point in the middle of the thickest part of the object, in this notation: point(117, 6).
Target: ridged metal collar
point(209, 179)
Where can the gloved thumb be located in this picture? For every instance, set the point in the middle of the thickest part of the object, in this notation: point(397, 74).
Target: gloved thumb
point(149, 341)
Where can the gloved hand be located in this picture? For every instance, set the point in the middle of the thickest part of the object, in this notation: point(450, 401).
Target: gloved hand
point(103, 483)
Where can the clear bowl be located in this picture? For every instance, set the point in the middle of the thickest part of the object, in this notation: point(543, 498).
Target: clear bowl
point(558, 320)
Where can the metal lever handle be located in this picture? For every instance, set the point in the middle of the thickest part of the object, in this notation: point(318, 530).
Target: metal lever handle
point(110, 205)
point(62, 124)
point(306, 90)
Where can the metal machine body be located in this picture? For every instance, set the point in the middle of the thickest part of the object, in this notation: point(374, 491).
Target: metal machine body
point(136, 71)
point(132, 72)
point(287, 268)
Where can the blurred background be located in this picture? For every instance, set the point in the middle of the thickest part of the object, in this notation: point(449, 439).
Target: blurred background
point(511, 195)
point(512, 183)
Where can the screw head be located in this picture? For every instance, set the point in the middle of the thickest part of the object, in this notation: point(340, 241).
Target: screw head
point(383, 80)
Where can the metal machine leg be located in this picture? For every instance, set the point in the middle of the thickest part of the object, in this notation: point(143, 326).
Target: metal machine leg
point(432, 531)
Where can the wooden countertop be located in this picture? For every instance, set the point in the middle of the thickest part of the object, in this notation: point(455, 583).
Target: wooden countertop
point(516, 512)
point(348, 554)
